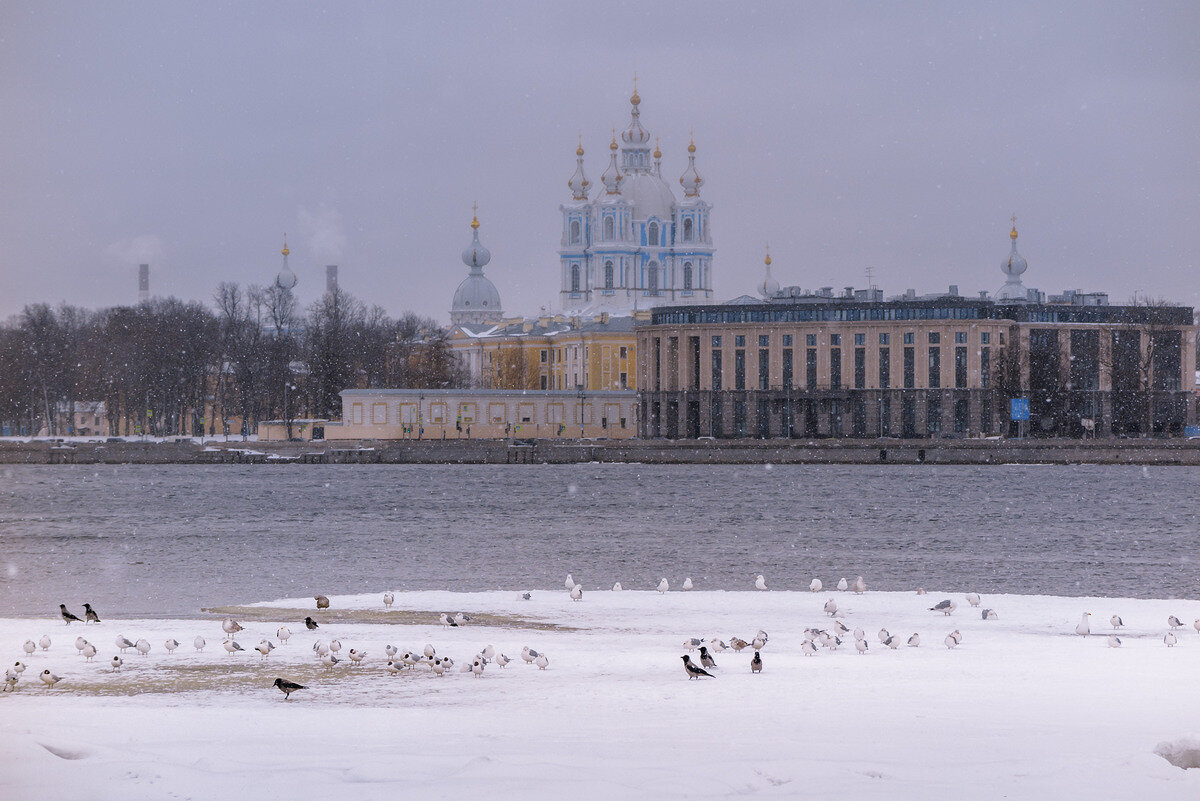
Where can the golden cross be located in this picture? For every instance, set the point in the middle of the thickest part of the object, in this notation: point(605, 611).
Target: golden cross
point(1014, 220)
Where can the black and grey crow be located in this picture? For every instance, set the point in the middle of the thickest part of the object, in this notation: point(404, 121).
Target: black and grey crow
point(694, 671)
point(310, 623)
point(89, 614)
point(67, 616)
point(288, 687)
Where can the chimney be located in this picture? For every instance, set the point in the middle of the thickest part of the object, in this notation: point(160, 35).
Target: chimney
point(331, 278)
point(954, 290)
point(143, 283)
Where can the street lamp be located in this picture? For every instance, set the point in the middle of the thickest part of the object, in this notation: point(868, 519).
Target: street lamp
point(287, 417)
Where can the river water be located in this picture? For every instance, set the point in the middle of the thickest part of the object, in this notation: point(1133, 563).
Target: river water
point(168, 540)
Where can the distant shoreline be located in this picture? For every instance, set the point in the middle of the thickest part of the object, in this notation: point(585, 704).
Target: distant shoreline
point(1179, 452)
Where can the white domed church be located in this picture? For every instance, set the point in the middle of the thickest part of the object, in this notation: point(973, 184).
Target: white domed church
point(633, 244)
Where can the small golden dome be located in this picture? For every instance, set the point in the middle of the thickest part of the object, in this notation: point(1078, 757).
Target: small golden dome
point(613, 145)
point(475, 216)
point(579, 150)
point(285, 250)
point(1013, 233)
point(635, 100)
point(657, 152)
point(767, 260)
point(692, 144)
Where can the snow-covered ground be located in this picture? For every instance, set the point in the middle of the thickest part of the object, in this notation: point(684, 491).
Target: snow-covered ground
point(1024, 708)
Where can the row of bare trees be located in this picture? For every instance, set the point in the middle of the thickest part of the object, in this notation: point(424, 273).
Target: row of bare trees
point(167, 367)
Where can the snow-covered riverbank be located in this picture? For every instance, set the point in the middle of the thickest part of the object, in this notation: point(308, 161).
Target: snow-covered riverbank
point(1022, 708)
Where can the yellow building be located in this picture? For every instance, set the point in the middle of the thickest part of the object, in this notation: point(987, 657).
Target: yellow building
point(549, 353)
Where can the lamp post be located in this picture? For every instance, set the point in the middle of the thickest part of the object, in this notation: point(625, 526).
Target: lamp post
point(287, 415)
point(579, 390)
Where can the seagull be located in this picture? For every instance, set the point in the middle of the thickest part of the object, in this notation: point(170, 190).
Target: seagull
point(232, 647)
point(687, 583)
point(430, 651)
point(335, 645)
point(143, 646)
point(859, 634)
point(116, 663)
point(973, 598)
point(1174, 622)
point(409, 659)
point(393, 668)
point(528, 654)
point(577, 592)
point(693, 670)
point(288, 687)
point(89, 614)
point(1196, 625)
point(488, 653)
point(1114, 641)
point(760, 642)
point(815, 585)
point(89, 651)
point(525, 596)
point(265, 647)
point(309, 623)
point(29, 647)
point(808, 647)
point(717, 645)
point(569, 582)
point(284, 634)
point(230, 626)
point(199, 643)
point(461, 619)
point(693, 643)
point(445, 620)
point(1170, 639)
point(1083, 629)
point(49, 679)
point(914, 641)
point(840, 627)
point(502, 660)
point(706, 660)
point(67, 616)
point(989, 614)
point(859, 586)
point(737, 643)
point(477, 667)
point(616, 588)
point(391, 651)
point(957, 635)
point(663, 586)
point(357, 656)
point(860, 646)
point(892, 642)
point(439, 667)
point(945, 607)
point(329, 660)
point(843, 585)
point(79, 643)
point(10, 684)
point(19, 667)
point(171, 645)
point(1116, 622)
point(322, 601)
point(831, 607)
point(920, 590)
point(951, 641)
point(760, 583)
point(44, 642)
point(123, 642)
point(884, 635)
point(388, 600)
point(542, 662)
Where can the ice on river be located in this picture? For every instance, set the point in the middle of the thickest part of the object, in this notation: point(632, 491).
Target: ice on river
point(1023, 708)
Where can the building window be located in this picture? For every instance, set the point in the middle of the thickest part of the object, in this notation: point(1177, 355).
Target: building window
point(652, 233)
point(1085, 360)
point(764, 369)
point(909, 338)
point(810, 340)
point(717, 422)
point(652, 283)
point(608, 228)
point(860, 368)
point(687, 229)
point(575, 232)
point(960, 367)
point(739, 341)
point(739, 418)
point(934, 338)
point(985, 338)
point(935, 368)
point(764, 340)
point(574, 277)
point(961, 412)
point(835, 339)
point(739, 369)
point(716, 368)
point(885, 368)
point(960, 337)
point(860, 339)
point(910, 367)
point(716, 341)
point(609, 277)
point(687, 276)
point(810, 368)
point(884, 339)
point(985, 368)
point(885, 416)
point(543, 382)
point(933, 422)
point(624, 384)
point(787, 340)
point(624, 352)
point(835, 368)
point(787, 367)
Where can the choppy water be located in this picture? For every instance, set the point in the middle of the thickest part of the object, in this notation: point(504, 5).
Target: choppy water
point(170, 539)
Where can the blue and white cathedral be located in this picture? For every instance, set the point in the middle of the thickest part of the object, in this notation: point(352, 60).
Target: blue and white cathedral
point(633, 244)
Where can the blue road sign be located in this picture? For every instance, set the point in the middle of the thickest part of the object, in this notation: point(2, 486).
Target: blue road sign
point(1019, 409)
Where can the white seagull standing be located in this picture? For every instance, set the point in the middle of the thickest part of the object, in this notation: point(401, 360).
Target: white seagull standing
point(265, 647)
point(284, 634)
point(116, 663)
point(143, 646)
point(44, 642)
point(79, 643)
point(542, 662)
point(1170, 639)
point(89, 651)
point(687, 583)
point(29, 647)
point(973, 598)
point(569, 583)
point(815, 585)
point(230, 626)
point(1116, 622)
point(1114, 641)
point(860, 586)
point(388, 599)
point(171, 644)
point(232, 647)
point(860, 646)
point(123, 642)
point(951, 641)
point(760, 583)
point(914, 641)
point(199, 643)
point(831, 607)
point(1174, 622)
point(843, 585)
point(663, 586)
point(577, 592)
point(1083, 629)
point(945, 607)
point(617, 587)
point(49, 679)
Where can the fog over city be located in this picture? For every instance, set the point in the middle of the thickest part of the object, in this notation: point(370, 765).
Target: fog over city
point(193, 137)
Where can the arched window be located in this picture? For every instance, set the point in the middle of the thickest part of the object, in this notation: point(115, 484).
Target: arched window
point(687, 275)
point(574, 232)
point(687, 229)
point(574, 277)
point(608, 228)
point(652, 233)
point(652, 278)
point(608, 275)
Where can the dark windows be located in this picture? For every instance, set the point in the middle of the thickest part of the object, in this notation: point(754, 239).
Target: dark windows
point(718, 428)
point(652, 233)
point(985, 368)
point(835, 339)
point(860, 339)
point(909, 338)
point(860, 368)
point(763, 419)
point(960, 367)
point(960, 337)
point(694, 353)
point(885, 339)
point(764, 368)
point(934, 420)
point(885, 368)
point(716, 341)
point(935, 338)
point(810, 368)
point(687, 276)
point(810, 340)
point(652, 278)
point(688, 228)
point(910, 370)
point(764, 340)
point(739, 341)
point(985, 338)
point(787, 368)
point(935, 368)
point(962, 411)
point(1165, 364)
point(716, 369)
point(608, 275)
point(739, 369)
point(739, 418)
point(575, 232)
point(1085, 360)
point(885, 416)
point(608, 228)
point(787, 340)
point(835, 368)
point(574, 277)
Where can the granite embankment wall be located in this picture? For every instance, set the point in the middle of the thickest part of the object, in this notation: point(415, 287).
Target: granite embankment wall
point(558, 451)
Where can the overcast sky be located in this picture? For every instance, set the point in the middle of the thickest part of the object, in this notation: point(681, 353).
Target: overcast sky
point(846, 136)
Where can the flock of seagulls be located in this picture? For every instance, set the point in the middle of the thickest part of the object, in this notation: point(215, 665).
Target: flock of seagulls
point(1170, 639)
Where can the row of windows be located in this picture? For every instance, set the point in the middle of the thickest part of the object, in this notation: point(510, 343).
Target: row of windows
point(652, 231)
point(652, 272)
point(835, 340)
point(735, 315)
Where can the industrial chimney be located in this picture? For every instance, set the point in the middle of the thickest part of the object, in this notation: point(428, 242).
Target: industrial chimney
point(331, 278)
point(143, 283)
